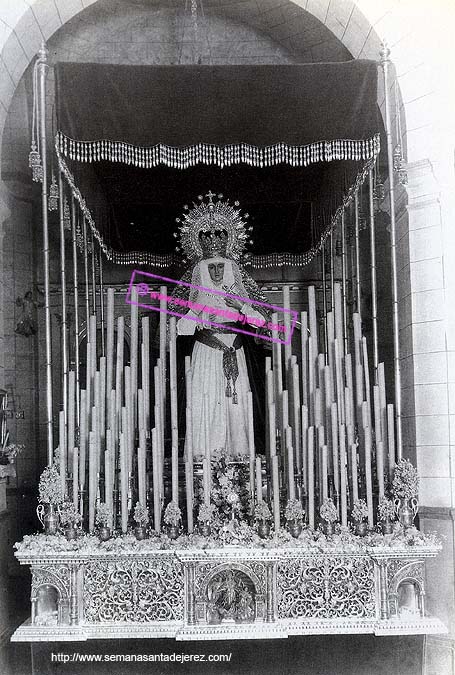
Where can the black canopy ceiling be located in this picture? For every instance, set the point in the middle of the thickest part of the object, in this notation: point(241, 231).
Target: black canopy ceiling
point(143, 141)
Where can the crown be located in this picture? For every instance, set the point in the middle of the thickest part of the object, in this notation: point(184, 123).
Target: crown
point(212, 228)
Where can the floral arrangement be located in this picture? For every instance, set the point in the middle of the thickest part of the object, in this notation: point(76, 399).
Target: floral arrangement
point(328, 510)
point(172, 514)
point(262, 512)
point(206, 513)
point(141, 515)
point(294, 510)
point(230, 489)
point(11, 451)
point(405, 480)
point(69, 515)
point(386, 509)
point(103, 515)
point(50, 486)
point(359, 511)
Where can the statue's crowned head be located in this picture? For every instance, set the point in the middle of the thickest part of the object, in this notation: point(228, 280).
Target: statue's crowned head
point(212, 228)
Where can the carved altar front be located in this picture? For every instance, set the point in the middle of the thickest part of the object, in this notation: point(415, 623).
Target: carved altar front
point(226, 593)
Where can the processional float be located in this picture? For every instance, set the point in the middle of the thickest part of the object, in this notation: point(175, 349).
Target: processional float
point(331, 442)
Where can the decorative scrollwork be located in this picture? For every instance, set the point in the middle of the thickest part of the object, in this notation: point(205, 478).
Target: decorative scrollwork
point(230, 595)
point(326, 587)
point(136, 590)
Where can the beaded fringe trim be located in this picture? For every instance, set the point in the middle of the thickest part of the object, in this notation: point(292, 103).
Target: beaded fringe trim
point(255, 261)
point(227, 155)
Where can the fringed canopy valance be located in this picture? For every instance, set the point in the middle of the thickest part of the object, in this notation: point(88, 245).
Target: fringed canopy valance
point(303, 134)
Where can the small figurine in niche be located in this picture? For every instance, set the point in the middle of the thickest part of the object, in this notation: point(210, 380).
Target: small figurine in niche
point(27, 324)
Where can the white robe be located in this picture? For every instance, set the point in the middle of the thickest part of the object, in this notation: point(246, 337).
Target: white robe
point(227, 421)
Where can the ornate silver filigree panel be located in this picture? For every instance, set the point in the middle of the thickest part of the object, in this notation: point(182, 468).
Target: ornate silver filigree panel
point(326, 587)
point(134, 590)
point(230, 590)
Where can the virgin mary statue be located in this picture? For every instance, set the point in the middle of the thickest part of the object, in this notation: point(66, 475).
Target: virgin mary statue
point(219, 301)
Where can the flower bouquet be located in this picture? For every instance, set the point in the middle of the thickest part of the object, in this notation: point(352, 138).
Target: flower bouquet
point(172, 518)
point(141, 518)
point(50, 497)
point(328, 512)
point(9, 453)
point(262, 516)
point(386, 514)
point(205, 518)
point(70, 518)
point(294, 515)
point(405, 488)
point(359, 514)
point(103, 519)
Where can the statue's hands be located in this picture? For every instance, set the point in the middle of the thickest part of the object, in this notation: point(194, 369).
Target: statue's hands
point(233, 303)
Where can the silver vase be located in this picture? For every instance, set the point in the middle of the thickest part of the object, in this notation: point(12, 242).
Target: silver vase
point(406, 510)
point(48, 517)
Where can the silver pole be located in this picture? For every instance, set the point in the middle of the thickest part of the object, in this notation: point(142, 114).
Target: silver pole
point(93, 268)
point(324, 303)
point(76, 303)
point(374, 292)
point(42, 70)
point(100, 258)
point(64, 312)
point(357, 254)
point(87, 288)
point(343, 280)
point(332, 271)
point(385, 61)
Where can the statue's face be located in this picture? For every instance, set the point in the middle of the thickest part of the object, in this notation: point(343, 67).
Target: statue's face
point(216, 271)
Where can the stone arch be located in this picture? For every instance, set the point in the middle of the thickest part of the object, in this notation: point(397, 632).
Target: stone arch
point(27, 24)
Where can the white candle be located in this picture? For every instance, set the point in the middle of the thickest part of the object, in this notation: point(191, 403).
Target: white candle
point(119, 364)
point(108, 484)
point(391, 438)
point(110, 339)
point(140, 410)
point(156, 482)
point(141, 468)
point(91, 481)
point(124, 479)
point(368, 475)
point(304, 355)
point(134, 338)
point(290, 463)
point(83, 438)
point(325, 491)
point(276, 493)
point(287, 324)
point(343, 482)
point(310, 446)
point(174, 411)
point(62, 448)
point(71, 419)
point(258, 480)
point(336, 468)
point(75, 477)
point(189, 496)
point(251, 448)
point(296, 416)
point(206, 480)
point(146, 371)
point(304, 449)
point(380, 466)
point(355, 485)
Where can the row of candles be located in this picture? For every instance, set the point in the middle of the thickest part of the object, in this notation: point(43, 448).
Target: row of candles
point(332, 425)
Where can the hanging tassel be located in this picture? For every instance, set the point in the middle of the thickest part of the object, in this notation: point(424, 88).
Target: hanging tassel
point(228, 389)
point(53, 195)
point(34, 162)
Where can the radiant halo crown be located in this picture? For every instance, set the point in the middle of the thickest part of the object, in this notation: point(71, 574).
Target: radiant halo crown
point(212, 227)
